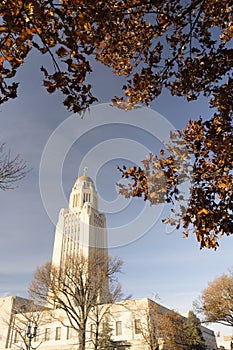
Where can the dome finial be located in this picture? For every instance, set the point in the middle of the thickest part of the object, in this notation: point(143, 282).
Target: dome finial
point(85, 171)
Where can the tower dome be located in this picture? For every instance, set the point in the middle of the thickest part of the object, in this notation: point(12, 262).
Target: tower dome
point(84, 178)
point(83, 192)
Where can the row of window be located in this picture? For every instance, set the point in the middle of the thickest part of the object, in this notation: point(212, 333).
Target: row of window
point(47, 334)
point(70, 331)
point(76, 198)
point(57, 333)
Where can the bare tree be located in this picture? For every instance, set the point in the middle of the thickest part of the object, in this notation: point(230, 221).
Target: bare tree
point(12, 169)
point(76, 288)
point(100, 315)
point(147, 326)
point(23, 314)
point(149, 329)
point(160, 327)
point(145, 319)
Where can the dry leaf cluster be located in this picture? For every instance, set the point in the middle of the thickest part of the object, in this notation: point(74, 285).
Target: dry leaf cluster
point(185, 47)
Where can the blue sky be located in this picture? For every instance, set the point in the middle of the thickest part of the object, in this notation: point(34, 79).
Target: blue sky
point(155, 261)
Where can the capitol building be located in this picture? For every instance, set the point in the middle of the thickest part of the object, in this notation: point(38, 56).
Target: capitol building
point(81, 233)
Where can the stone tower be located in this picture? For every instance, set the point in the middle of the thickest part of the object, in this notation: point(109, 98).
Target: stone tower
point(81, 229)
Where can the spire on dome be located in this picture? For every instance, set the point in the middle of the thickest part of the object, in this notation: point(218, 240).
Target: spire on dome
point(85, 171)
point(84, 177)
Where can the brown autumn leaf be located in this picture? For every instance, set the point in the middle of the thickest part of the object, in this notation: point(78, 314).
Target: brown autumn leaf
point(181, 46)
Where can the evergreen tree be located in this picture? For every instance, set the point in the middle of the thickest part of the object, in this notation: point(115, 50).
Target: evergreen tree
point(194, 333)
point(105, 337)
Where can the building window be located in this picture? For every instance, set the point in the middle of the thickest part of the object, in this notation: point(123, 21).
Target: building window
point(86, 197)
point(58, 333)
point(69, 333)
point(118, 328)
point(16, 337)
point(137, 326)
point(47, 334)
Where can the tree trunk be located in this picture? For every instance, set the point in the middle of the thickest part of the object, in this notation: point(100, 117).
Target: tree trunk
point(96, 337)
point(82, 339)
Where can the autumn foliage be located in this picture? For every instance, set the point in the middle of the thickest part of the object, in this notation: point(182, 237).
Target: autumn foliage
point(202, 155)
point(202, 152)
point(216, 301)
point(183, 46)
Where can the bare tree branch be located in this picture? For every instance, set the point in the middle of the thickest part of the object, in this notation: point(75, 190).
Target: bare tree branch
point(12, 169)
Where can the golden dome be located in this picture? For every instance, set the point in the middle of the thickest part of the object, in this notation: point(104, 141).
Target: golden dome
point(84, 178)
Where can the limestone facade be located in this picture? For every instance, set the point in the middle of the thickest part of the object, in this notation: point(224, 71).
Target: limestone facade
point(81, 229)
point(128, 321)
